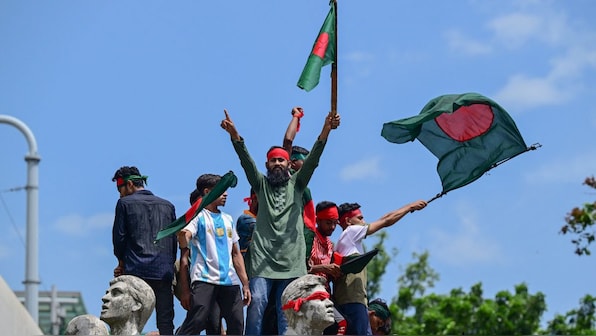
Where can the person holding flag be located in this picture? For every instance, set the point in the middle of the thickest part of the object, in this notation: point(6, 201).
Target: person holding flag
point(217, 268)
point(276, 253)
point(349, 290)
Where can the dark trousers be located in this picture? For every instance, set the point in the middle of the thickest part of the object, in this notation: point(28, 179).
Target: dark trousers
point(205, 297)
point(164, 305)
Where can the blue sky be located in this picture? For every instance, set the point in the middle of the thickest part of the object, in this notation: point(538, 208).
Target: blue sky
point(102, 84)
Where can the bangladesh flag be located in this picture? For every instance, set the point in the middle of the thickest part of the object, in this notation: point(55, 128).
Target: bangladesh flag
point(323, 53)
point(226, 181)
point(468, 133)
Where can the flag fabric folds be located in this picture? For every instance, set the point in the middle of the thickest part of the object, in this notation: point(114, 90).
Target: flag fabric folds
point(323, 53)
point(226, 181)
point(468, 133)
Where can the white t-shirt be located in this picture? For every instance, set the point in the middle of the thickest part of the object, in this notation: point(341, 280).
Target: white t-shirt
point(350, 240)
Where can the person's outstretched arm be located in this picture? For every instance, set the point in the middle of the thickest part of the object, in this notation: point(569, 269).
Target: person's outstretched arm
point(394, 216)
point(229, 127)
point(331, 122)
point(297, 113)
point(247, 163)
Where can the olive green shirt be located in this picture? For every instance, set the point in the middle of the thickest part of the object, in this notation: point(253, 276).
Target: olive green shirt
point(277, 248)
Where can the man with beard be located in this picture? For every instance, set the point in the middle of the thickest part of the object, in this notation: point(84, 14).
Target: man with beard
point(277, 248)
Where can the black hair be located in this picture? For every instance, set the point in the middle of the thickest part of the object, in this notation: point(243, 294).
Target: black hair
point(207, 181)
point(346, 207)
point(194, 196)
point(324, 205)
point(300, 150)
point(126, 171)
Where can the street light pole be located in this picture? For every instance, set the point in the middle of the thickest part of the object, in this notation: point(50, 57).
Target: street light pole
point(32, 267)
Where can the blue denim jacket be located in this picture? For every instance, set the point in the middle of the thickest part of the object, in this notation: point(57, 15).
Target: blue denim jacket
point(139, 217)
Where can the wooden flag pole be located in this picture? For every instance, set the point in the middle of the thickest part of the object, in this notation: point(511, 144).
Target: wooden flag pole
point(334, 68)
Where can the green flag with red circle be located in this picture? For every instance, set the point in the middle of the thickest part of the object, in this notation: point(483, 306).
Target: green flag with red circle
point(323, 53)
point(468, 133)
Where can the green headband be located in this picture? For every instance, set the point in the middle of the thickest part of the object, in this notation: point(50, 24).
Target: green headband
point(297, 156)
point(136, 177)
point(379, 310)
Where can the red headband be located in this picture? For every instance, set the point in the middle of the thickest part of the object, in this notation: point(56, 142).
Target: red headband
point(278, 152)
point(296, 304)
point(119, 182)
point(349, 214)
point(328, 213)
point(248, 201)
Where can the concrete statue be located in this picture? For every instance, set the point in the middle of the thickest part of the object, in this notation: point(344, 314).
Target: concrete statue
point(307, 306)
point(86, 325)
point(127, 305)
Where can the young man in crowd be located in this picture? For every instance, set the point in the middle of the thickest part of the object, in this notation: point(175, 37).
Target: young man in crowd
point(350, 289)
point(217, 266)
point(276, 253)
point(139, 216)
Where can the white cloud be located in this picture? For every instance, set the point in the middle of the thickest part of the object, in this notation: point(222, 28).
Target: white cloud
point(515, 29)
point(359, 56)
point(561, 84)
point(363, 169)
point(77, 225)
point(564, 170)
point(465, 45)
point(522, 92)
point(363, 63)
point(466, 245)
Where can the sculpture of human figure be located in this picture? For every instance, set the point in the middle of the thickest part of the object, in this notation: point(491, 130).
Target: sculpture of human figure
point(86, 325)
point(307, 306)
point(127, 305)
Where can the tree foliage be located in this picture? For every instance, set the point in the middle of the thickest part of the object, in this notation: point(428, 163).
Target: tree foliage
point(580, 223)
point(417, 311)
point(376, 267)
point(579, 321)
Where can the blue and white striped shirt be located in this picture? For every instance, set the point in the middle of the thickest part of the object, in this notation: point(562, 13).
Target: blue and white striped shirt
point(213, 237)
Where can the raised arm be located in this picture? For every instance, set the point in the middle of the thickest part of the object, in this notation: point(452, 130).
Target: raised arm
point(394, 216)
point(229, 127)
point(293, 128)
point(331, 122)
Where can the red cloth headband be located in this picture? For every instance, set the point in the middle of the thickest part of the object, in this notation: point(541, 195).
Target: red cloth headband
point(350, 214)
point(296, 304)
point(119, 182)
point(328, 213)
point(278, 152)
point(248, 201)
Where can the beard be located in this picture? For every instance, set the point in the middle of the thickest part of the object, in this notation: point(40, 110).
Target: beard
point(278, 176)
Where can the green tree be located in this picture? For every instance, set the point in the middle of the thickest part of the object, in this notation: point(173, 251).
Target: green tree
point(460, 312)
point(579, 321)
point(580, 223)
point(377, 266)
point(414, 312)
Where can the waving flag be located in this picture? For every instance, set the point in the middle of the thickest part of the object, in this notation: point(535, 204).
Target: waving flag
point(323, 53)
point(226, 181)
point(468, 133)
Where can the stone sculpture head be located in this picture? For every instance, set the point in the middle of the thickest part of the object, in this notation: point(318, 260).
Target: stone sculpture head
point(307, 306)
point(86, 325)
point(127, 305)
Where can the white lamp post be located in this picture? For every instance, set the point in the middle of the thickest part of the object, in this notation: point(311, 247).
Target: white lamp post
point(32, 267)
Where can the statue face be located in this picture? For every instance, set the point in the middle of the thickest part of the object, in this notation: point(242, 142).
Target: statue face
point(319, 312)
point(118, 304)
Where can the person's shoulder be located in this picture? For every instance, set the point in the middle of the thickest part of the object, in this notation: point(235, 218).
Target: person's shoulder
point(357, 227)
point(159, 198)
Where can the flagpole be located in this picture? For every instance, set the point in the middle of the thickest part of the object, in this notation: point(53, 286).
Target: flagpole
point(334, 68)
